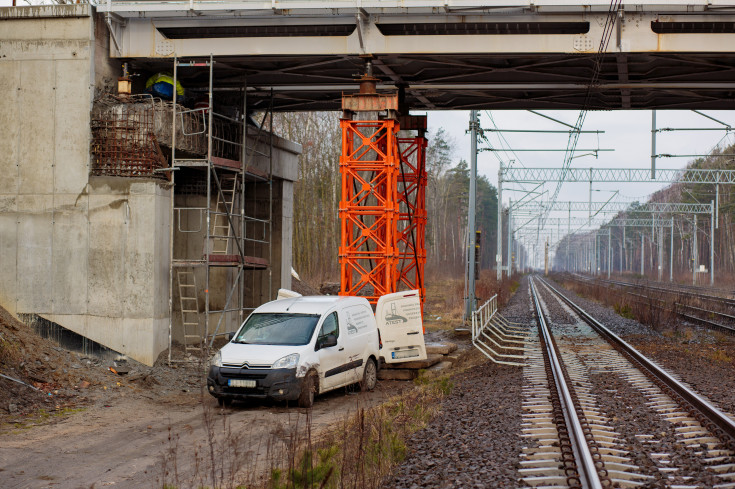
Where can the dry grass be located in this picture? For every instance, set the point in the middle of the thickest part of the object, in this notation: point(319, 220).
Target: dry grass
point(653, 310)
point(445, 298)
point(362, 450)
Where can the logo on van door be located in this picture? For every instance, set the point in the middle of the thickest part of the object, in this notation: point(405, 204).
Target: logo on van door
point(358, 318)
point(351, 328)
point(392, 317)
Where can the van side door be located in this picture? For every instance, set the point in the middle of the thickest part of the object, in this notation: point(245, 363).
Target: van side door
point(331, 358)
point(401, 329)
point(357, 320)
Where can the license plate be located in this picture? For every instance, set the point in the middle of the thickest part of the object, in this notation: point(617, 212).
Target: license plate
point(404, 354)
point(240, 383)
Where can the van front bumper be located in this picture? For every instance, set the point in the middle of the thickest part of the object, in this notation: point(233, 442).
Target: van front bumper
point(279, 384)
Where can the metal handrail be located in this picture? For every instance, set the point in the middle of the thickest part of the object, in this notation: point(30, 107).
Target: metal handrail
point(486, 321)
point(482, 316)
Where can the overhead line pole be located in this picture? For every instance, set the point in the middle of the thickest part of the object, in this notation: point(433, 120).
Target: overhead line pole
point(499, 250)
point(671, 252)
point(653, 145)
point(712, 246)
point(470, 304)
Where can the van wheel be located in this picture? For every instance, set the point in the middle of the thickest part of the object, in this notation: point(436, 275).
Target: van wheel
point(369, 376)
point(308, 389)
point(224, 401)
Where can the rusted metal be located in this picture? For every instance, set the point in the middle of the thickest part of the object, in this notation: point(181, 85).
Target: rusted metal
point(370, 102)
point(123, 139)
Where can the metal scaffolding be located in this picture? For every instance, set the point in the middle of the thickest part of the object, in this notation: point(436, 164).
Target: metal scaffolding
point(221, 218)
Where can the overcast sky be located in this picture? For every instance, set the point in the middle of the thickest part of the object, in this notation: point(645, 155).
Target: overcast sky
point(628, 133)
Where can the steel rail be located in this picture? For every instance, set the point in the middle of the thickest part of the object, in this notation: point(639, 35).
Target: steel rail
point(705, 322)
point(586, 467)
point(725, 426)
point(674, 288)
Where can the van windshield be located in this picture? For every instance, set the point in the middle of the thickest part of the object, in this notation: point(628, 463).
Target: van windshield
point(277, 329)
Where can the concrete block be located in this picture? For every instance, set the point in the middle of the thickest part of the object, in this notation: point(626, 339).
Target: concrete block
point(397, 374)
point(34, 264)
point(162, 253)
point(60, 50)
point(36, 139)
point(9, 117)
point(106, 266)
point(140, 339)
point(416, 364)
point(139, 233)
point(8, 257)
point(454, 358)
point(72, 131)
point(69, 254)
point(441, 366)
point(443, 348)
point(46, 31)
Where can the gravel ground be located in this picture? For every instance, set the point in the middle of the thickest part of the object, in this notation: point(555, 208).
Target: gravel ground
point(708, 368)
point(631, 415)
point(519, 308)
point(617, 324)
point(475, 440)
point(701, 358)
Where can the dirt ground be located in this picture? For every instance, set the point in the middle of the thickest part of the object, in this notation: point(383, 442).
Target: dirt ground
point(74, 423)
point(129, 439)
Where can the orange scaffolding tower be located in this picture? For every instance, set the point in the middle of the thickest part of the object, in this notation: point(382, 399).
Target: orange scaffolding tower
point(369, 209)
point(412, 207)
point(382, 207)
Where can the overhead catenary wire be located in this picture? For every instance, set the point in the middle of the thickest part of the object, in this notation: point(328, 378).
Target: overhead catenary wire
point(596, 68)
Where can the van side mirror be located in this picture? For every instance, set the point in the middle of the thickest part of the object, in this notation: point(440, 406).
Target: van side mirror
point(229, 336)
point(326, 342)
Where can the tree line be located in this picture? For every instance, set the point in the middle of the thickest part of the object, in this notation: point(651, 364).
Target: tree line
point(656, 248)
point(316, 233)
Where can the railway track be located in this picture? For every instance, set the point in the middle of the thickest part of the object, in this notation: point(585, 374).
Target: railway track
point(676, 304)
point(718, 296)
point(597, 413)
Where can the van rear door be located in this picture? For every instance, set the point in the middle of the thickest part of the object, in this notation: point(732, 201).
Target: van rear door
point(399, 321)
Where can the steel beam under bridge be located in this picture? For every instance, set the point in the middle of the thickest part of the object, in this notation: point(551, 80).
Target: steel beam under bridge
point(631, 175)
point(463, 54)
point(596, 207)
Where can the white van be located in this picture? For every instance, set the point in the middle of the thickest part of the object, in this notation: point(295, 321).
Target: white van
point(292, 349)
point(295, 348)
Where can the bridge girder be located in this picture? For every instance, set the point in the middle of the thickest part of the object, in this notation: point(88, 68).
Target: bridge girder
point(466, 55)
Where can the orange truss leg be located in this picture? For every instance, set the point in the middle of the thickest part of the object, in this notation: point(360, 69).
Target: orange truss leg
point(412, 214)
point(368, 210)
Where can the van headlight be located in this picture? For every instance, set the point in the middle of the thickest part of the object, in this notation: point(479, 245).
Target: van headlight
point(289, 361)
point(216, 360)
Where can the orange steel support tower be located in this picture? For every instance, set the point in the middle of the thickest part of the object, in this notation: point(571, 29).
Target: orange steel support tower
point(412, 206)
point(369, 207)
point(382, 207)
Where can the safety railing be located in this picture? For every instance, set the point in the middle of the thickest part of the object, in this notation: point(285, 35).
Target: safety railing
point(494, 335)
